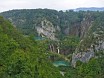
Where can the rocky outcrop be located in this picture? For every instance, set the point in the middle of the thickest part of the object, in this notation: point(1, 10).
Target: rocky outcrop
point(82, 56)
point(81, 28)
point(46, 30)
point(90, 53)
point(91, 45)
point(85, 25)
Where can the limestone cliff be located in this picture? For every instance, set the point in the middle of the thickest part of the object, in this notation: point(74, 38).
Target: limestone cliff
point(46, 29)
point(92, 45)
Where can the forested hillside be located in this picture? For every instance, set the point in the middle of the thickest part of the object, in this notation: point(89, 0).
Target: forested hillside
point(52, 36)
point(88, 58)
point(55, 25)
point(51, 22)
point(21, 57)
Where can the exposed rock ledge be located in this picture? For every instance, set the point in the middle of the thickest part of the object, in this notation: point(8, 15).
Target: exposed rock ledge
point(82, 56)
point(86, 56)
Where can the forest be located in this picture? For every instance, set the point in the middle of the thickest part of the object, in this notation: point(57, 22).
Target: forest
point(32, 41)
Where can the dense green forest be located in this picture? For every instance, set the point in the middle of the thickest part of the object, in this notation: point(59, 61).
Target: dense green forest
point(31, 40)
point(27, 19)
point(20, 57)
point(64, 23)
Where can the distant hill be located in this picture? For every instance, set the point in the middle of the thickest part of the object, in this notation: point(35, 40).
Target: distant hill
point(90, 9)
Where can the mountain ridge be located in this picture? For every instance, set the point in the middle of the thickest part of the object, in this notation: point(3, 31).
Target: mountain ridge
point(89, 9)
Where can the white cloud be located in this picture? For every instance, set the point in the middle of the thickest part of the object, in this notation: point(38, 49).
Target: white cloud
point(52, 4)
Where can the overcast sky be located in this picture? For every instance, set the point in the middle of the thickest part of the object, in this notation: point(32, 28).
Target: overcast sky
point(50, 4)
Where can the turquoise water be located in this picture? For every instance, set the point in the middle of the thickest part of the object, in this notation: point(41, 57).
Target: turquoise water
point(60, 63)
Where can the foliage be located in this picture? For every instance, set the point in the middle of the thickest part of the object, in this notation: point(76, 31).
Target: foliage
point(23, 57)
point(92, 69)
point(69, 44)
point(20, 57)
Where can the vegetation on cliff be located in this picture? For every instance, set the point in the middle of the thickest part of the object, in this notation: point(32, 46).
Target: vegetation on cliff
point(21, 56)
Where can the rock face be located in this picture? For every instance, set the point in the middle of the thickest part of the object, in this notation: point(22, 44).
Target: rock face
point(85, 25)
point(46, 30)
point(86, 56)
point(92, 44)
point(82, 56)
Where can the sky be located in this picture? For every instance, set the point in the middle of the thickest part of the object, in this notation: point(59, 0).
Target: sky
point(6, 5)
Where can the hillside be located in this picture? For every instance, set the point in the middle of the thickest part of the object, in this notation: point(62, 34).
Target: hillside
point(20, 57)
point(92, 45)
point(45, 22)
point(75, 37)
point(54, 25)
point(51, 23)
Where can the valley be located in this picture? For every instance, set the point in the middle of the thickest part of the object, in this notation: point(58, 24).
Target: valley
point(39, 43)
